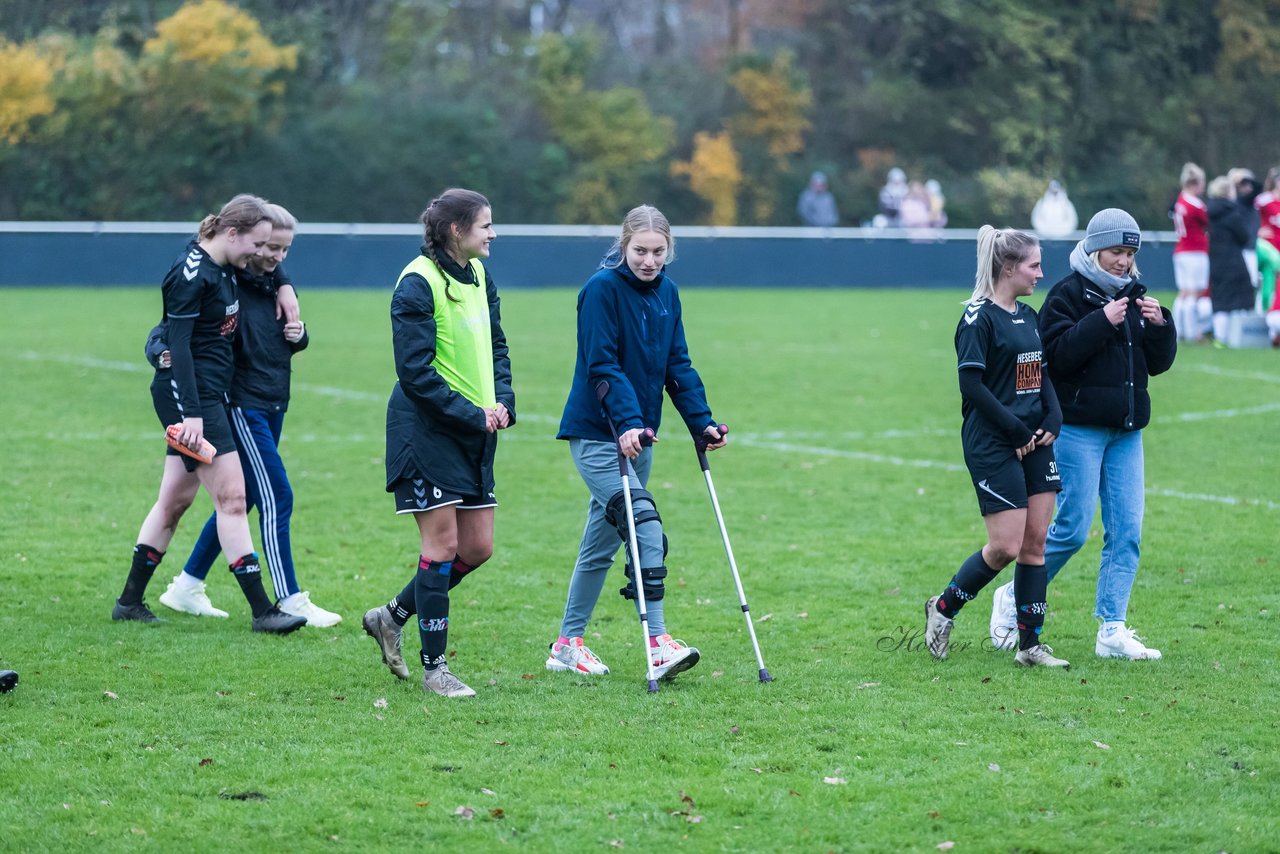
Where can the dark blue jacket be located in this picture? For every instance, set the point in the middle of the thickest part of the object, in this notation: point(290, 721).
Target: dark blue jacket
point(631, 334)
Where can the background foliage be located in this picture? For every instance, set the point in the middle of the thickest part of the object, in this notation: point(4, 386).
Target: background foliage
point(573, 110)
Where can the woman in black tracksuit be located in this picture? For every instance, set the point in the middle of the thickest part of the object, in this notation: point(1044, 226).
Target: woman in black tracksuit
point(452, 396)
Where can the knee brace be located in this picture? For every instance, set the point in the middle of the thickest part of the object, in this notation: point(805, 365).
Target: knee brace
point(651, 577)
point(642, 505)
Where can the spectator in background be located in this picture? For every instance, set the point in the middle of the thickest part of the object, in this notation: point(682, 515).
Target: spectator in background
point(891, 196)
point(1231, 286)
point(817, 207)
point(914, 210)
point(1191, 253)
point(1054, 215)
point(1247, 191)
point(937, 204)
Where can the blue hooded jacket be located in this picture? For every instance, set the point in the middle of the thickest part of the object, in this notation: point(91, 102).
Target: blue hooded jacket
point(631, 334)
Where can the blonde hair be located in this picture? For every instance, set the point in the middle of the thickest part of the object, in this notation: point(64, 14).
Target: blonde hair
point(1133, 265)
point(1222, 187)
point(242, 213)
point(1191, 174)
point(998, 247)
point(281, 218)
point(638, 219)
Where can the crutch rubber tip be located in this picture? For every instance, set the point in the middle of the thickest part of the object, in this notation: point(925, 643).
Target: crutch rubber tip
point(653, 686)
point(764, 675)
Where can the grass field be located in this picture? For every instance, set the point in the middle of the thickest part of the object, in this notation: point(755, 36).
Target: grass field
point(846, 499)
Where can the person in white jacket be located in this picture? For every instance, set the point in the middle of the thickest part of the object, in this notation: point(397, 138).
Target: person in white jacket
point(1054, 215)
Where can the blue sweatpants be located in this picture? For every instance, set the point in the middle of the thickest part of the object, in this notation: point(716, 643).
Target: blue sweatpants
point(257, 435)
point(597, 462)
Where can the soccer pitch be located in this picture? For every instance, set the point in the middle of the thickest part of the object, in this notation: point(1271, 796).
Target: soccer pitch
point(847, 503)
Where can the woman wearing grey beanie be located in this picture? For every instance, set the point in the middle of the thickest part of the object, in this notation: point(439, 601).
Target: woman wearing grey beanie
point(1104, 337)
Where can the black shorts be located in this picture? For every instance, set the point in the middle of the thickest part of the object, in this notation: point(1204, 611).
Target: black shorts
point(419, 495)
point(1008, 487)
point(217, 428)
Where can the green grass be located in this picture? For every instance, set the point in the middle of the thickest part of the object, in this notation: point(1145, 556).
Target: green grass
point(847, 503)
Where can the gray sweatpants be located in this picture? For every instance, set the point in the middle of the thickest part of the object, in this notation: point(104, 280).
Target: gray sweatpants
point(597, 462)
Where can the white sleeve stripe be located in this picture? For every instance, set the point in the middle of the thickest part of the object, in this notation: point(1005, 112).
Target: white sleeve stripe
point(183, 316)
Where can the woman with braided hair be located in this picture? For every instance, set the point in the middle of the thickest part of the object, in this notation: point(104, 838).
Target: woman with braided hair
point(452, 396)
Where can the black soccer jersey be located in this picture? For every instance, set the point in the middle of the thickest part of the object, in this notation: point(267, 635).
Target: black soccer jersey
point(201, 309)
point(1006, 348)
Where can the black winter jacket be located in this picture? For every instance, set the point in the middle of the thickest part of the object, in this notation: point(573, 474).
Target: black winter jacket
point(1230, 285)
point(1100, 371)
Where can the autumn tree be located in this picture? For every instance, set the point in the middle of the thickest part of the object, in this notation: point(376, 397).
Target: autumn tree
point(608, 135)
point(715, 174)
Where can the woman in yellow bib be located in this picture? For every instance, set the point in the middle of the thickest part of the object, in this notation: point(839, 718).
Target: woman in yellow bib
point(453, 393)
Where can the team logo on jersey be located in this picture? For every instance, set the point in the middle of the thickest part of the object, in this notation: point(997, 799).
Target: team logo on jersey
point(1028, 375)
point(192, 267)
point(232, 321)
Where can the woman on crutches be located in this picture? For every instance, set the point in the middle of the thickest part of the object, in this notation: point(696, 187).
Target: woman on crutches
point(630, 337)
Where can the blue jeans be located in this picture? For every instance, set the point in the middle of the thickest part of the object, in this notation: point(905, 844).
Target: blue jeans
point(257, 435)
point(1100, 463)
point(597, 462)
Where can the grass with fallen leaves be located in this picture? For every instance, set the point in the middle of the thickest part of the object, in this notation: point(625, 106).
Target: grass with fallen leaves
point(847, 503)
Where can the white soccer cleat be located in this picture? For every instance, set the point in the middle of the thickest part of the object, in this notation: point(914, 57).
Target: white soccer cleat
point(189, 600)
point(1040, 656)
point(300, 605)
point(1004, 619)
point(441, 681)
point(937, 629)
point(1119, 641)
point(575, 656)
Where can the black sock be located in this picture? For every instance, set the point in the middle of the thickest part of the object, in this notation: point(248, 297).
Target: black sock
point(249, 574)
point(405, 603)
point(431, 592)
point(459, 571)
point(973, 575)
point(145, 561)
point(1030, 588)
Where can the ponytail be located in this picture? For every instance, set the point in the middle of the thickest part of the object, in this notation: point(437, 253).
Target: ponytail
point(998, 247)
point(452, 207)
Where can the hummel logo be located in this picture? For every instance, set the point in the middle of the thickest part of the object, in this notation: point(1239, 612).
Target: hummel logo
point(1019, 320)
point(971, 312)
point(192, 265)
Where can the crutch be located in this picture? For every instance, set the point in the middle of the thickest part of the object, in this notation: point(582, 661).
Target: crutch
point(646, 438)
point(700, 443)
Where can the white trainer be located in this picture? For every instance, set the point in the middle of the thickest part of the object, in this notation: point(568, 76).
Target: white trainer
point(1116, 640)
point(300, 605)
point(444, 683)
point(1040, 656)
point(671, 657)
point(189, 599)
point(1004, 619)
point(575, 656)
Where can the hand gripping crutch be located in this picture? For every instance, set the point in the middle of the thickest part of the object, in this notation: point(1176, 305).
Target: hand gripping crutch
point(646, 438)
point(700, 443)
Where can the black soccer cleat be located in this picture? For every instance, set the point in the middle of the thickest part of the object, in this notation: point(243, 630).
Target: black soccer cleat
point(8, 680)
point(139, 613)
point(277, 622)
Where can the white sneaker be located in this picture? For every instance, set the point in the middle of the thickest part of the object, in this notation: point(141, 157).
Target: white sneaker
point(189, 599)
point(575, 656)
point(1004, 619)
point(300, 605)
point(1116, 640)
point(671, 656)
point(444, 683)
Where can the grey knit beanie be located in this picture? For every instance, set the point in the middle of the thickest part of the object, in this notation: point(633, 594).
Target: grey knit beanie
point(1112, 227)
